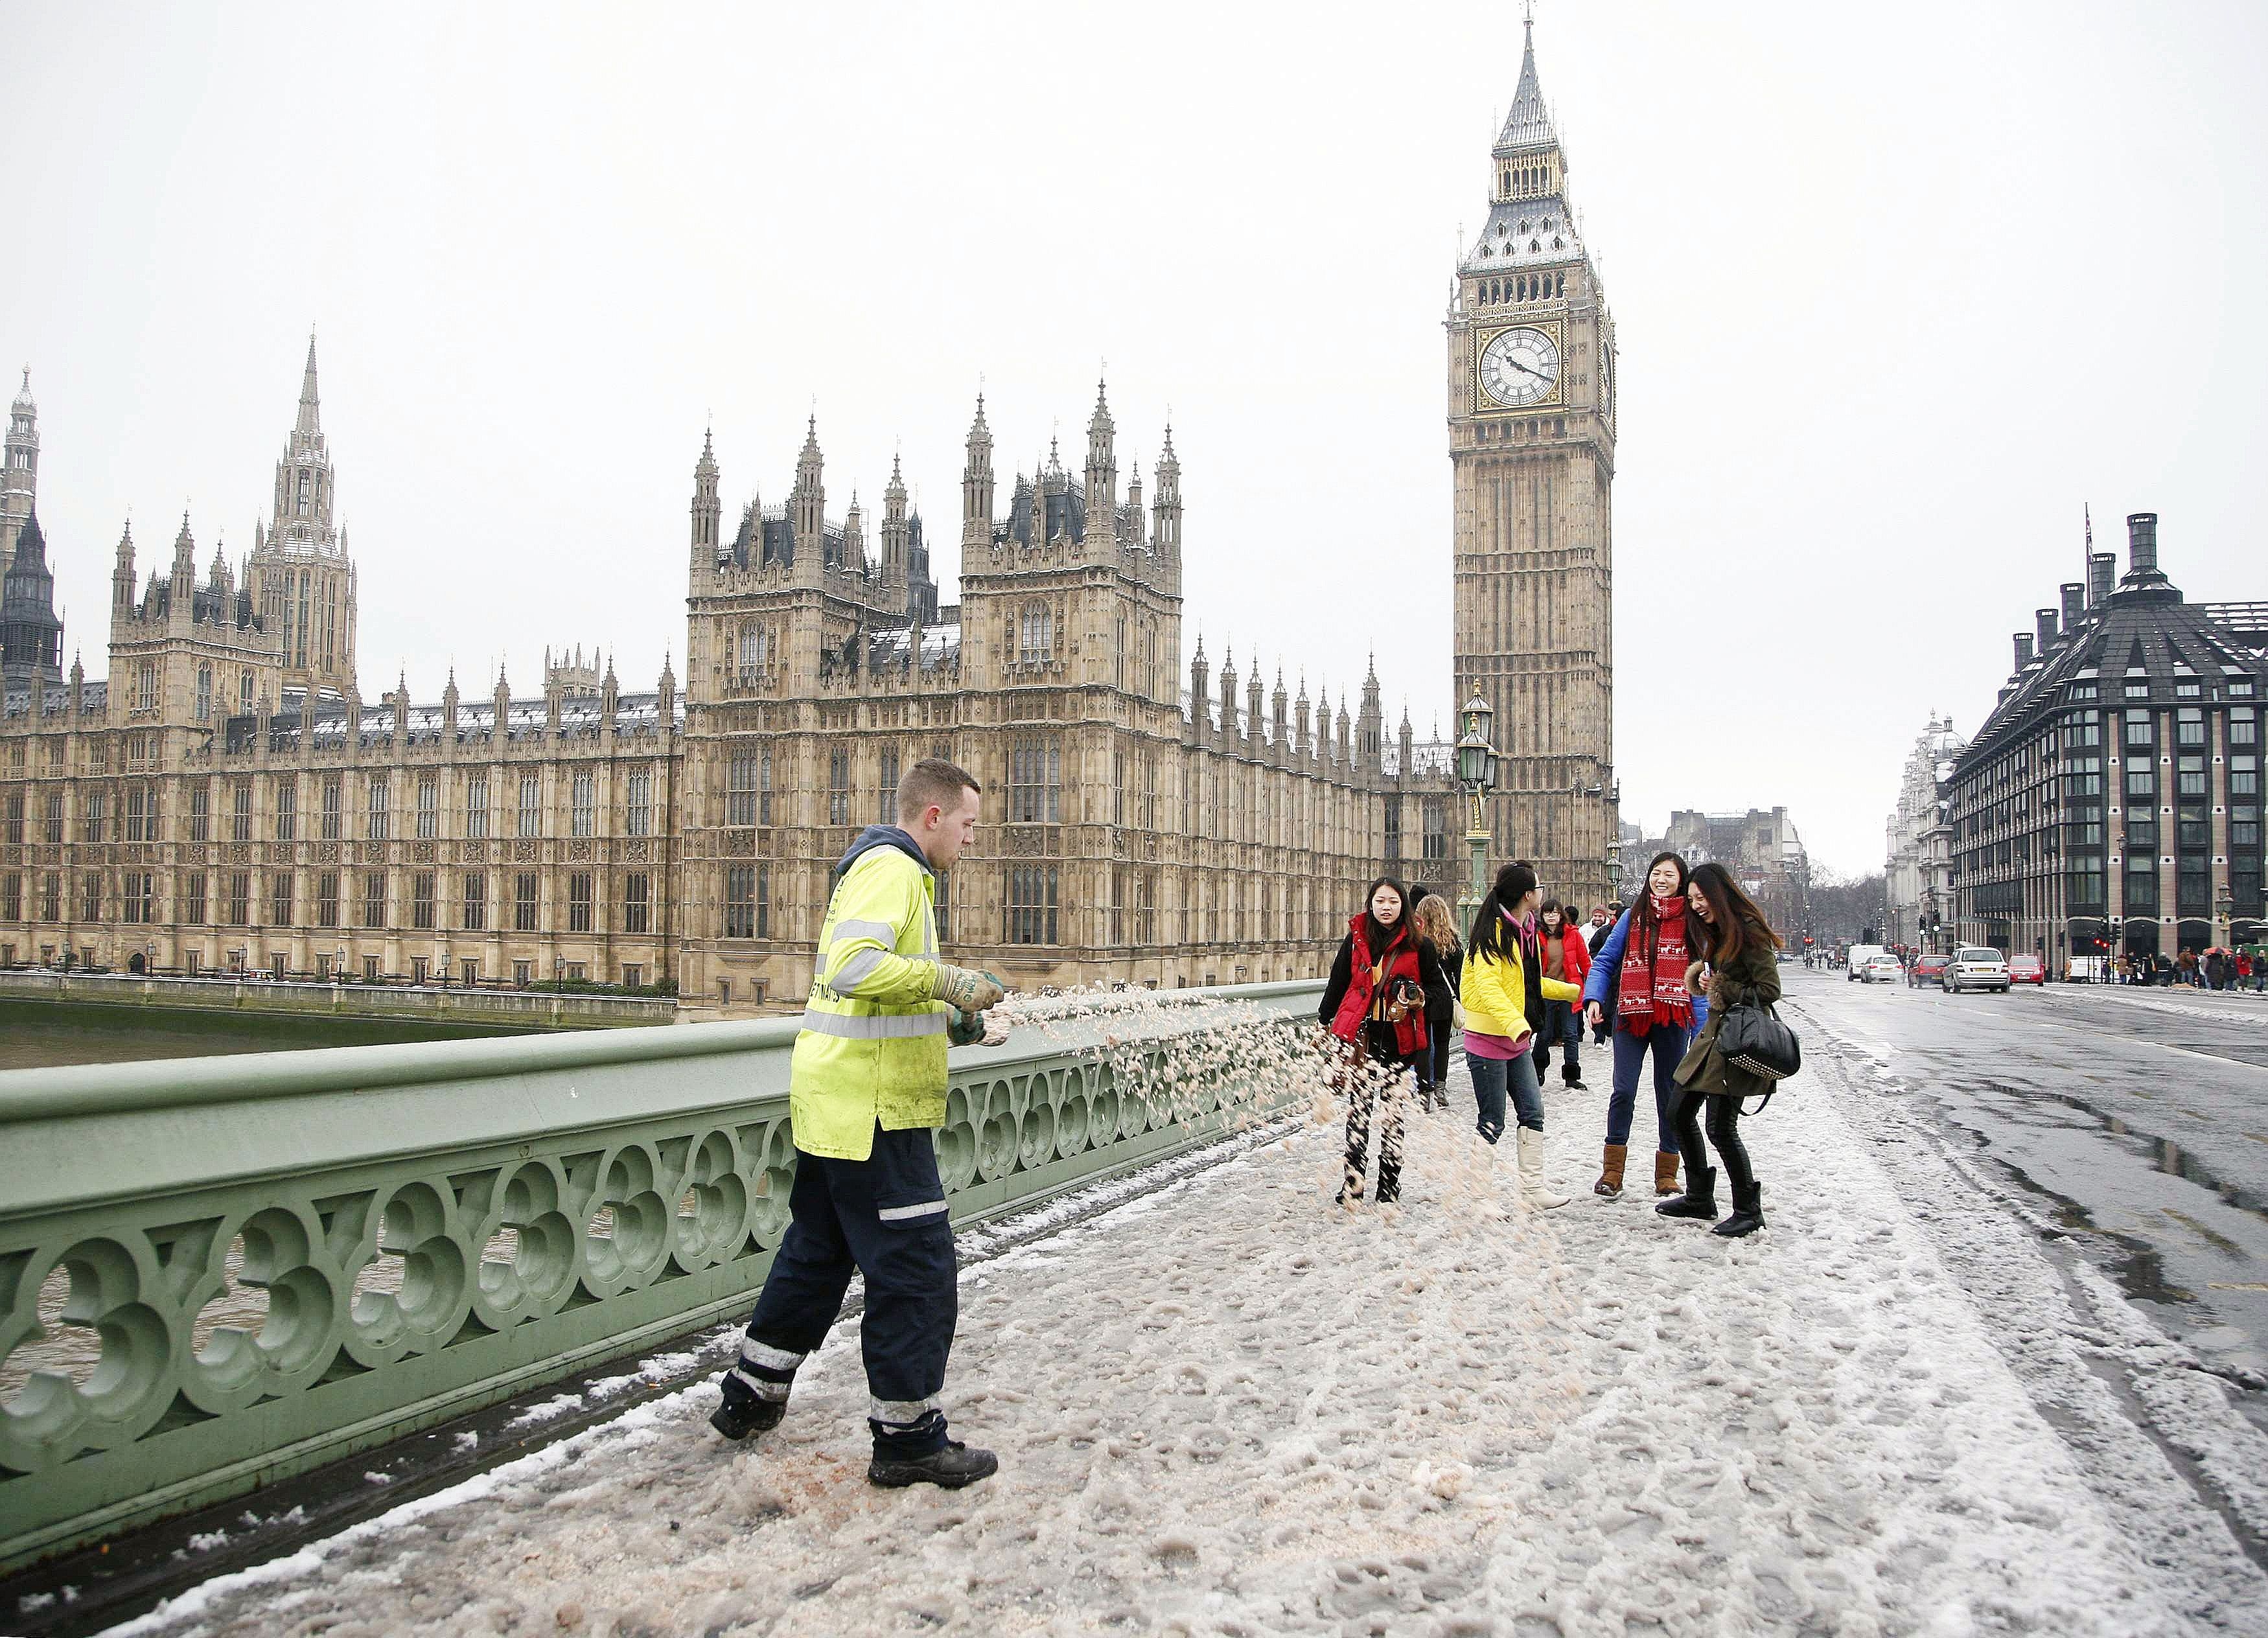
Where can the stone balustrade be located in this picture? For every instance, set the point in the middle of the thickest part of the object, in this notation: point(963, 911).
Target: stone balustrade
point(217, 1271)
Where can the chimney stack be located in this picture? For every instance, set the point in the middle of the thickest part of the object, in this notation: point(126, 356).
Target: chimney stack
point(2141, 543)
point(2044, 619)
point(2023, 650)
point(2101, 577)
point(2074, 606)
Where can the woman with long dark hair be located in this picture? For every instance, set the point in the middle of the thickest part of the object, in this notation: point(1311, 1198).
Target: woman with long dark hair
point(1374, 1006)
point(1739, 945)
point(1505, 993)
point(1567, 958)
point(1437, 928)
point(1637, 979)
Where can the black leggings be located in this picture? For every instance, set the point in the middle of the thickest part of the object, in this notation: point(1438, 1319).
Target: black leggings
point(1437, 1047)
point(1724, 1132)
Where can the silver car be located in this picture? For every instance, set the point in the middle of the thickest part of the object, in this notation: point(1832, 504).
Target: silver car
point(1977, 968)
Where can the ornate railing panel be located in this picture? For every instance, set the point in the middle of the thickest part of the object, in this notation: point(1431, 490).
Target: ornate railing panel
point(217, 1272)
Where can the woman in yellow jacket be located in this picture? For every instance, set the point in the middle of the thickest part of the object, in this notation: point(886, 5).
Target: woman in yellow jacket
point(1504, 990)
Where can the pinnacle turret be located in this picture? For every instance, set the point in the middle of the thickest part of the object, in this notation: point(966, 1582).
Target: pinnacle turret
point(310, 423)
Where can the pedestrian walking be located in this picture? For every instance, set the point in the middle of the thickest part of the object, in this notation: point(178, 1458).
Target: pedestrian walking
point(1732, 938)
point(1374, 1008)
point(1638, 984)
point(1438, 927)
point(1567, 958)
point(1505, 994)
point(866, 1091)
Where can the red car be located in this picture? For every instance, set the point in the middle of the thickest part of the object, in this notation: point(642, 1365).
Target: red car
point(1928, 970)
point(2027, 970)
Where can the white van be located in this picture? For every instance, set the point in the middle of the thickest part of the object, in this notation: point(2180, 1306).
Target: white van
point(1854, 962)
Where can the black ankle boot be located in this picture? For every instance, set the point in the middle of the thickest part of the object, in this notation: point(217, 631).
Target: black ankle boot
point(740, 1415)
point(1700, 1199)
point(949, 1469)
point(1748, 1212)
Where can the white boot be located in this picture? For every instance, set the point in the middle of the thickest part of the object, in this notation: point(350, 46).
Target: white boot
point(1532, 1188)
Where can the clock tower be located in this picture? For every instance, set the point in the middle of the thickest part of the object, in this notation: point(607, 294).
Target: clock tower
point(1532, 458)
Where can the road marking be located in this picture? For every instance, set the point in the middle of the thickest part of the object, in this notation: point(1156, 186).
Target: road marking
point(2211, 1057)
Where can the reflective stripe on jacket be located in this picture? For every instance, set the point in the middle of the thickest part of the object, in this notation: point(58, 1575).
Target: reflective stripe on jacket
point(873, 1045)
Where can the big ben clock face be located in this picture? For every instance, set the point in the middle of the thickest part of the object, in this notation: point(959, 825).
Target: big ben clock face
point(1606, 382)
point(1521, 367)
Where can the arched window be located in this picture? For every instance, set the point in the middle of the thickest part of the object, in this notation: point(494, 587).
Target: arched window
point(1038, 645)
point(243, 695)
point(204, 694)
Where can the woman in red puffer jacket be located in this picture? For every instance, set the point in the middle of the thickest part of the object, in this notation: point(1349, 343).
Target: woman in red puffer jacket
point(1566, 956)
point(1374, 1006)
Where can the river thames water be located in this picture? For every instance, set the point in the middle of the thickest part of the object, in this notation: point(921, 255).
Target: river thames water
point(47, 1034)
point(44, 1035)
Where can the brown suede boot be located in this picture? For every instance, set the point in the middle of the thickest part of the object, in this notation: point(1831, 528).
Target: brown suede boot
point(1610, 1174)
point(1664, 1172)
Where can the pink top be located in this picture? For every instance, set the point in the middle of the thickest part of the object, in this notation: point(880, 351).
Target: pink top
point(1500, 1048)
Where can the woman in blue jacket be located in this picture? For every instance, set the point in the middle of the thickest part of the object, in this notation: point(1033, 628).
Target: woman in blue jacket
point(1637, 982)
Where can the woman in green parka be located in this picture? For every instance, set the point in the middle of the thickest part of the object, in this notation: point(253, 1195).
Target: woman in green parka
point(1740, 949)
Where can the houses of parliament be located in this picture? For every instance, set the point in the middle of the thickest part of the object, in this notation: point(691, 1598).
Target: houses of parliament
point(226, 797)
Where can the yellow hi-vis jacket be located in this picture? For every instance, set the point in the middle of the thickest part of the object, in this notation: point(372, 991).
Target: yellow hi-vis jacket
point(872, 1046)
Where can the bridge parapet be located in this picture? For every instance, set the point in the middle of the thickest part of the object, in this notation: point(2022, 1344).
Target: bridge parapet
point(218, 1272)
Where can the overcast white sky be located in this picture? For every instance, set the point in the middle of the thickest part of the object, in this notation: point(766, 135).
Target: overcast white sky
point(1897, 290)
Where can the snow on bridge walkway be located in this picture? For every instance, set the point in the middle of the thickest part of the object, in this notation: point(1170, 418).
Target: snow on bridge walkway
point(1227, 1407)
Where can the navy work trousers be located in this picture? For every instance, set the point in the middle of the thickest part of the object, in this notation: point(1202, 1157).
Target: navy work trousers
point(884, 1217)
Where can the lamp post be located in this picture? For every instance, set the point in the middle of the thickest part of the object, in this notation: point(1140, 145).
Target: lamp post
point(1476, 771)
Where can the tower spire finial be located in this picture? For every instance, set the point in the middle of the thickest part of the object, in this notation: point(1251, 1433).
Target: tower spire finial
point(310, 421)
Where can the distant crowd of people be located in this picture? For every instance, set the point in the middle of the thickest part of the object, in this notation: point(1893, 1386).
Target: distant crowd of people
point(2216, 968)
point(1648, 981)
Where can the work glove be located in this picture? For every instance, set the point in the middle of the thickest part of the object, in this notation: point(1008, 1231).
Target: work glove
point(971, 991)
point(972, 1029)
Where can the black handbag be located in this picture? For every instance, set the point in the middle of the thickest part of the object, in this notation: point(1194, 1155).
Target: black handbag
point(1753, 1038)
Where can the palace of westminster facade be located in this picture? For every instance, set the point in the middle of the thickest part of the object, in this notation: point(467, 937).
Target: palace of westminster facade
point(227, 799)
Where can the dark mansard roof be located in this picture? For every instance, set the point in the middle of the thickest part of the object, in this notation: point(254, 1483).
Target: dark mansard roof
point(2142, 631)
point(93, 698)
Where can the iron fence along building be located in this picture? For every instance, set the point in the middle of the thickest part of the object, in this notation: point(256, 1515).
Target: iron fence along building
point(2113, 794)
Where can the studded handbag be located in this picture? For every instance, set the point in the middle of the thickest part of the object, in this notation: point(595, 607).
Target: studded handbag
point(1754, 1038)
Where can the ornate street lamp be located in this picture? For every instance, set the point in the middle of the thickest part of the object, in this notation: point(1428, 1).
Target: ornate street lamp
point(1477, 769)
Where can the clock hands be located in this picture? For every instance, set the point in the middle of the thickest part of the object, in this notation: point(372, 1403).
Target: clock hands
point(1531, 368)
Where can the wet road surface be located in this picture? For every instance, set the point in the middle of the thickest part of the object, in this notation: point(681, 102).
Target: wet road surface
point(2137, 1119)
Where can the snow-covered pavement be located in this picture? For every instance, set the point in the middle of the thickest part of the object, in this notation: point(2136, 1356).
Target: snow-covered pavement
point(1228, 1408)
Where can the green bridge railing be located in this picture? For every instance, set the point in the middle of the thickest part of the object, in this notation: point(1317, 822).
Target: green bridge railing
point(216, 1272)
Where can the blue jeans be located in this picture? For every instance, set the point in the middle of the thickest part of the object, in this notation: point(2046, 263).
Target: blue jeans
point(1668, 1043)
point(1491, 1078)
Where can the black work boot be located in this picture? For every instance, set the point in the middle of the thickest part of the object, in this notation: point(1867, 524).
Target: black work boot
point(738, 1417)
point(950, 1468)
point(1572, 1074)
point(1748, 1212)
point(1700, 1199)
